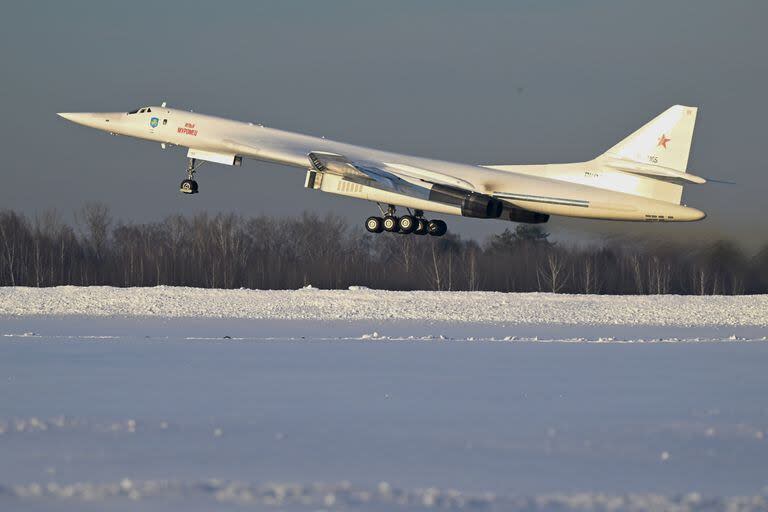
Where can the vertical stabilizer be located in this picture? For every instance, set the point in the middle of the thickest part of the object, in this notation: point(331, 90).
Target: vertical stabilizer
point(664, 141)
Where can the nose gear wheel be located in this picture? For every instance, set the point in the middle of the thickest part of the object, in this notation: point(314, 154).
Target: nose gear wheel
point(189, 185)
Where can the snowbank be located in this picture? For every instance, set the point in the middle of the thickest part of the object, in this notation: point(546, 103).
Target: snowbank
point(345, 496)
point(366, 304)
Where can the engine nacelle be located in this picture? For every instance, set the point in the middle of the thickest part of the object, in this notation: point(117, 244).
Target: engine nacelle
point(472, 204)
point(527, 217)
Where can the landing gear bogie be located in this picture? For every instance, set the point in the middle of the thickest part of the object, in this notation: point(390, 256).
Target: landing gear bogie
point(407, 224)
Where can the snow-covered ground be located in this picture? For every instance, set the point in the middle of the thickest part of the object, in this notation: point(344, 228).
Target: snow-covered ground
point(181, 399)
point(364, 304)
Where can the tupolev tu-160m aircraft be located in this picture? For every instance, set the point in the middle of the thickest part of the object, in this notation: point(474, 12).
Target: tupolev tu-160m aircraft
point(639, 179)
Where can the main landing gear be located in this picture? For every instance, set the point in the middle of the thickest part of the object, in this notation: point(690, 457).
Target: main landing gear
point(189, 185)
point(407, 224)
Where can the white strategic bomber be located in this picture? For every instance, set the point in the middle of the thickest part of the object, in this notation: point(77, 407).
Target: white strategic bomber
point(639, 179)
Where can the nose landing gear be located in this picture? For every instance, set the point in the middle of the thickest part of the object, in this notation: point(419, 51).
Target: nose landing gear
point(189, 185)
point(407, 224)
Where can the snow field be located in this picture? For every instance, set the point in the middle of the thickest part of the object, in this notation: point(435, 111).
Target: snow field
point(345, 496)
point(365, 304)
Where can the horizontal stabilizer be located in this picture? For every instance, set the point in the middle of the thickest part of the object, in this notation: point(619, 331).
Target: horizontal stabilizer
point(656, 172)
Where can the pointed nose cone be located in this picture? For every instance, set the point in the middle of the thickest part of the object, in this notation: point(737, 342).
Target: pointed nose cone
point(72, 116)
point(84, 118)
point(98, 120)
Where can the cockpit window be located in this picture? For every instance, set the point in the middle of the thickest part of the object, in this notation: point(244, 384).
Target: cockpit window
point(140, 110)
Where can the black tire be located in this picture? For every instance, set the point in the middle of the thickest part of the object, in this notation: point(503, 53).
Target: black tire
point(421, 227)
point(188, 187)
point(437, 227)
point(374, 224)
point(406, 224)
point(390, 223)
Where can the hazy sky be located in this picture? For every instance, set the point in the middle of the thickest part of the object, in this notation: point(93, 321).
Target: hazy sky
point(476, 82)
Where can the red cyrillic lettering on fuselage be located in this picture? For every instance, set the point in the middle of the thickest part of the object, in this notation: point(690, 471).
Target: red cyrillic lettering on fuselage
point(188, 129)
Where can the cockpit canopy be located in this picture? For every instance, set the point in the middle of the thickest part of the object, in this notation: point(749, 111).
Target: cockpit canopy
point(141, 110)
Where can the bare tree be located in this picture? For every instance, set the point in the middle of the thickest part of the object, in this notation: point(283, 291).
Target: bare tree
point(636, 269)
point(553, 272)
point(434, 266)
point(229, 251)
point(590, 277)
point(471, 265)
point(658, 275)
point(699, 279)
point(95, 220)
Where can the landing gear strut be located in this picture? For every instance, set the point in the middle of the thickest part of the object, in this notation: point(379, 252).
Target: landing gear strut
point(189, 185)
point(407, 224)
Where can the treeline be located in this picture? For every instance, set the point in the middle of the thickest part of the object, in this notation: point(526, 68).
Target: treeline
point(230, 251)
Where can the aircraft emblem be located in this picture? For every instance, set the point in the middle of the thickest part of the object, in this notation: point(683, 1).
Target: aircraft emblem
point(663, 141)
point(154, 122)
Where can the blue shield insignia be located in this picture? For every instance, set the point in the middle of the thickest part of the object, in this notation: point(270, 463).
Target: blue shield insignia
point(154, 122)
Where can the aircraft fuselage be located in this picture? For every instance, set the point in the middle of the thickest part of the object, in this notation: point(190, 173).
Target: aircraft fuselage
point(575, 190)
